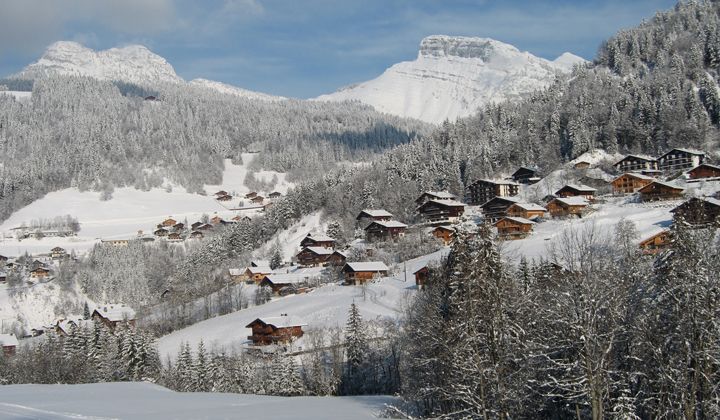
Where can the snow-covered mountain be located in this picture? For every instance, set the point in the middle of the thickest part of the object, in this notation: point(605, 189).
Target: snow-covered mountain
point(133, 64)
point(453, 76)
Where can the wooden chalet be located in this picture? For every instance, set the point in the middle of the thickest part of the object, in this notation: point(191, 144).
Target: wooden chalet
point(704, 171)
point(422, 275)
point(237, 275)
point(483, 190)
point(57, 253)
point(174, 237)
point(196, 225)
point(655, 244)
point(204, 227)
point(9, 344)
point(161, 232)
point(374, 214)
point(313, 256)
point(337, 258)
point(525, 175)
point(275, 330)
point(178, 227)
point(698, 211)
point(224, 198)
point(40, 273)
point(239, 218)
point(514, 227)
point(113, 314)
point(196, 234)
point(658, 190)
point(275, 194)
point(636, 163)
point(251, 195)
point(583, 164)
point(317, 240)
point(383, 230)
point(169, 222)
point(256, 274)
point(570, 206)
point(363, 272)
point(221, 193)
point(118, 242)
point(496, 208)
point(434, 195)
point(216, 220)
point(258, 199)
point(3, 259)
point(629, 183)
point(571, 190)
point(446, 234)
point(441, 210)
point(528, 211)
point(680, 159)
point(279, 282)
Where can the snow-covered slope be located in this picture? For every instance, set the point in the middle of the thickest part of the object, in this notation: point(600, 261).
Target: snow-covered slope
point(132, 63)
point(136, 400)
point(453, 76)
point(233, 90)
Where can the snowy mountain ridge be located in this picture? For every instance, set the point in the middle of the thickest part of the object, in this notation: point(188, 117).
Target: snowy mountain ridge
point(133, 64)
point(453, 76)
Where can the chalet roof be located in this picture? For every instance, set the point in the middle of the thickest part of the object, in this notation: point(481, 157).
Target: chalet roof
point(442, 195)
point(376, 213)
point(637, 157)
point(288, 278)
point(573, 201)
point(525, 168)
point(318, 250)
point(388, 224)
point(259, 263)
point(635, 175)
point(319, 237)
point(366, 266)
point(449, 228)
point(530, 206)
point(116, 312)
point(510, 200)
point(706, 165)
point(521, 220)
point(581, 188)
point(710, 200)
point(57, 249)
point(280, 321)
point(40, 269)
point(265, 269)
point(423, 267)
point(664, 184)
point(344, 255)
point(653, 236)
point(495, 181)
point(66, 324)
point(221, 192)
point(8, 340)
point(688, 151)
point(236, 271)
point(444, 203)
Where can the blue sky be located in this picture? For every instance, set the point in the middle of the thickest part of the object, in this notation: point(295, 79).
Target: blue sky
point(303, 48)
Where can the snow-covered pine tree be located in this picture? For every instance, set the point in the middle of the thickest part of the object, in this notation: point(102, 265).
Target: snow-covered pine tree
point(356, 352)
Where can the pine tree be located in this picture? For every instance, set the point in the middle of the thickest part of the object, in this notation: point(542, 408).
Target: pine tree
point(356, 352)
point(276, 260)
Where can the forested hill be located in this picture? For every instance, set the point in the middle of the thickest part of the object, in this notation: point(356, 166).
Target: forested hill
point(79, 131)
point(650, 88)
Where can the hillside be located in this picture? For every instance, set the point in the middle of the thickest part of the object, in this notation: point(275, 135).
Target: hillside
point(453, 77)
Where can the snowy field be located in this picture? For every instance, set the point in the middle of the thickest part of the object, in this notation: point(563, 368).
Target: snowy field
point(128, 211)
point(17, 94)
point(134, 400)
point(326, 306)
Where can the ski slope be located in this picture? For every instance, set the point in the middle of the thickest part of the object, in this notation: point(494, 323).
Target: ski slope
point(128, 211)
point(324, 307)
point(138, 400)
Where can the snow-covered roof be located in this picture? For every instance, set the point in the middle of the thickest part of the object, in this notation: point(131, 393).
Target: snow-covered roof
point(505, 198)
point(530, 206)
point(66, 324)
point(446, 203)
point(281, 321)
point(377, 213)
point(581, 187)
point(116, 312)
point(319, 237)
point(319, 250)
point(573, 201)
point(640, 157)
point(664, 184)
point(706, 165)
point(521, 220)
point(443, 195)
point(236, 271)
point(289, 278)
point(8, 340)
point(367, 266)
point(260, 270)
point(635, 175)
point(260, 263)
point(690, 151)
point(389, 223)
point(497, 181)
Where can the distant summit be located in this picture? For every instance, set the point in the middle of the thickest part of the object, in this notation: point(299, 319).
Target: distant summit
point(132, 64)
point(453, 76)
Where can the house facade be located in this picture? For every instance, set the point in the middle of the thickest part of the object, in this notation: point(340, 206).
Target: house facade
point(317, 240)
point(275, 330)
point(698, 211)
point(313, 256)
point(629, 183)
point(483, 190)
point(658, 191)
point(112, 315)
point(514, 227)
point(564, 207)
point(656, 243)
point(497, 207)
point(704, 171)
point(385, 230)
point(441, 210)
point(373, 214)
point(679, 159)
point(356, 273)
point(525, 175)
point(636, 163)
point(528, 211)
point(571, 190)
point(434, 195)
point(445, 234)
